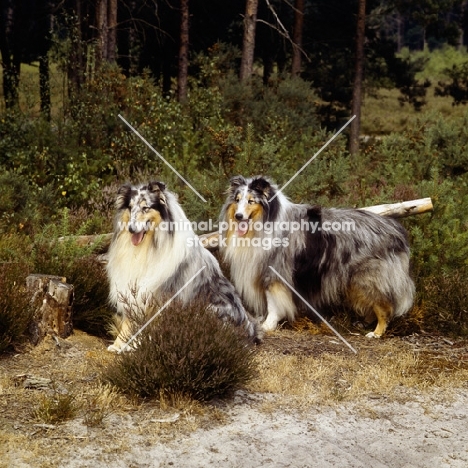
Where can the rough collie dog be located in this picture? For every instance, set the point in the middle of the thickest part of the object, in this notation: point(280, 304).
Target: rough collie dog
point(155, 252)
point(331, 257)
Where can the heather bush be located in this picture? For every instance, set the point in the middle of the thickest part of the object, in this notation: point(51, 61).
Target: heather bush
point(445, 299)
point(186, 351)
point(15, 308)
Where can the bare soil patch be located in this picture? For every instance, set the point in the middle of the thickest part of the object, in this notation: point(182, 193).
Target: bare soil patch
point(400, 402)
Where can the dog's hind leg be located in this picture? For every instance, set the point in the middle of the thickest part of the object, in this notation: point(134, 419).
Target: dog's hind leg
point(280, 306)
point(370, 303)
point(384, 313)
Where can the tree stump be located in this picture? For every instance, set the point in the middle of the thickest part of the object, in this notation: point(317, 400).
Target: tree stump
point(52, 298)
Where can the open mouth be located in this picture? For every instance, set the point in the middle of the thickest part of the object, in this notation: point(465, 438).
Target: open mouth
point(137, 237)
point(242, 228)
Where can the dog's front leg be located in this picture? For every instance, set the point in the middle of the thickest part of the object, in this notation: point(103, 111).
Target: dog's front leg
point(124, 334)
point(280, 306)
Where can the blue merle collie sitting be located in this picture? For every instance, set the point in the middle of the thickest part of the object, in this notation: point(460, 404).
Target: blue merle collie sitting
point(330, 257)
point(154, 253)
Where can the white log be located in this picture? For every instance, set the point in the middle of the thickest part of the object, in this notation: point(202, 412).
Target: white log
point(403, 209)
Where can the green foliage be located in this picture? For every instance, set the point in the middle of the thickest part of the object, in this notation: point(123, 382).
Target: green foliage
point(437, 61)
point(457, 86)
point(186, 351)
point(15, 308)
point(56, 252)
point(413, 91)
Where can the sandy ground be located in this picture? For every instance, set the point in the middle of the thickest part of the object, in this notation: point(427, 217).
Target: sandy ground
point(410, 435)
point(249, 430)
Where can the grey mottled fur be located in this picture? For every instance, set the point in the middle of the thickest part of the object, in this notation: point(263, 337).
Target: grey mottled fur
point(328, 268)
point(160, 266)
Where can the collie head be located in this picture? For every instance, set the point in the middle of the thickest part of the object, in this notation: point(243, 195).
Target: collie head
point(142, 208)
point(249, 201)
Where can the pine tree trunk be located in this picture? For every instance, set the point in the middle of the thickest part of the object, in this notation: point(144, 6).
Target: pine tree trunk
point(112, 31)
point(297, 37)
point(10, 55)
point(102, 27)
point(358, 79)
point(11, 76)
point(75, 69)
point(248, 47)
point(183, 51)
point(44, 85)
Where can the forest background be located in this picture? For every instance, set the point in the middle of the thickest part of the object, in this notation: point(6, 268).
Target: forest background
point(225, 88)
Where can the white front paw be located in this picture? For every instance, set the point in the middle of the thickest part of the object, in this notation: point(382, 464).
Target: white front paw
point(113, 348)
point(269, 324)
point(372, 335)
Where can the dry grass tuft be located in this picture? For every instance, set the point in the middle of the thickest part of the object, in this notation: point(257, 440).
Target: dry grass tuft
point(99, 404)
point(56, 408)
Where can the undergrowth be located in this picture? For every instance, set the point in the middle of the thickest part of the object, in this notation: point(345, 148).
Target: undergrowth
point(15, 309)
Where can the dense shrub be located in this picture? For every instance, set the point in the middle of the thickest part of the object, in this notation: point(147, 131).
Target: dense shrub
point(456, 86)
point(15, 308)
point(186, 351)
point(445, 300)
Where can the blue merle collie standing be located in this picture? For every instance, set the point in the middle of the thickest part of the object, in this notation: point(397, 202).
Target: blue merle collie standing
point(331, 257)
point(154, 253)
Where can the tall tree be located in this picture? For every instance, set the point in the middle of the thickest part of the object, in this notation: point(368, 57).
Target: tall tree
point(102, 28)
point(74, 20)
point(248, 46)
point(358, 78)
point(43, 30)
point(112, 30)
point(182, 76)
point(297, 37)
point(106, 26)
point(10, 48)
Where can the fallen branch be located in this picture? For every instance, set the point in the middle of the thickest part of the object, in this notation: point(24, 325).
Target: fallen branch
point(403, 209)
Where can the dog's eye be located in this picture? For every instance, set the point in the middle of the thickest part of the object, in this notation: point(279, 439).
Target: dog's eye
point(145, 209)
point(251, 202)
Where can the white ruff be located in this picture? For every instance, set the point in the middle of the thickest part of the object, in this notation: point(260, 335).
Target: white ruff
point(139, 271)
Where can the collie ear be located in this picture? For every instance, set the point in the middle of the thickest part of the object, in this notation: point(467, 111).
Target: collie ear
point(237, 181)
point(156, 186)
point(123, 196)
point(260, 184)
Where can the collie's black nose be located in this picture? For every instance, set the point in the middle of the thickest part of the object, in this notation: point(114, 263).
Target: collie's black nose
point(239, 216)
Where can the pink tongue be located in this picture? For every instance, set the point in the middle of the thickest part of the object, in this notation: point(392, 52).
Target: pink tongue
point(137, 237)
point(242, 228)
